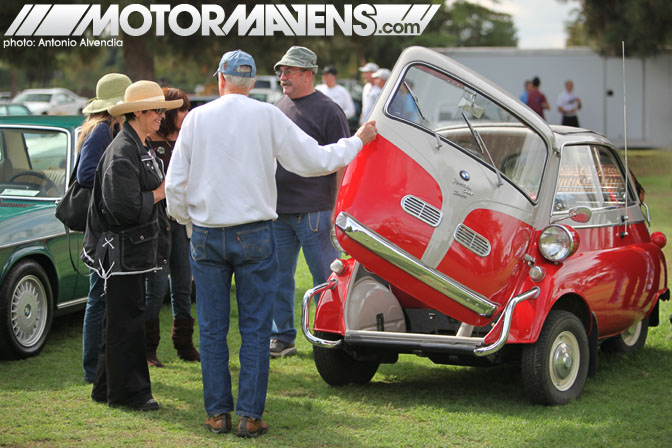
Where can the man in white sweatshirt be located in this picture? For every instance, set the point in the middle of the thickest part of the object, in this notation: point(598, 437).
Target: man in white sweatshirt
point(221, 178)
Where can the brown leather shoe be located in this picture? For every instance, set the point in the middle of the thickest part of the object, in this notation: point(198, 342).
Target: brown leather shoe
point(220, 424)
point(251, 427)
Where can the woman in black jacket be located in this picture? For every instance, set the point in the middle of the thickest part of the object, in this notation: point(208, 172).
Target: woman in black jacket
point(126, 237)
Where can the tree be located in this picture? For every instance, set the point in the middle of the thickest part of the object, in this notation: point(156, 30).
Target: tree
point(644, 26)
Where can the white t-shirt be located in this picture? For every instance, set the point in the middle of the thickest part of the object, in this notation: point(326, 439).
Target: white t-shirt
point(568, 101)
point(370, 94)
point(340, 96)
point(222, 171)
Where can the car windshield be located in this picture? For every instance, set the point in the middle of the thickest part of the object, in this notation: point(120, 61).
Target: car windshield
point(33, 162)
point(471, 122)
point(33, 98)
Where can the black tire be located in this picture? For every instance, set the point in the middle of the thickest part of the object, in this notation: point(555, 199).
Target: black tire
point(554, 369)
point(337, 368)
point(26, 304)
point(630, 341)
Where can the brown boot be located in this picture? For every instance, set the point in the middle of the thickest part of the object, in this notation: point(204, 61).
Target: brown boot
point(152, 337)
point(183, 330)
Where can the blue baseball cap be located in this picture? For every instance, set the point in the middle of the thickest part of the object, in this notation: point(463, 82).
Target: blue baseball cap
point(236, 63)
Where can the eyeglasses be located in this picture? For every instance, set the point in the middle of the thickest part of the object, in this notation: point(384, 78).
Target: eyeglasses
point(288, 72)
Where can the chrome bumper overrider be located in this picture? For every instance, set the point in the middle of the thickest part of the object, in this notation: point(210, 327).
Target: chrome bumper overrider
point(414, 267)
point(414, 341)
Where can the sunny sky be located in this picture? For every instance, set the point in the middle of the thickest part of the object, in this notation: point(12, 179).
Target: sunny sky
point(540, 23)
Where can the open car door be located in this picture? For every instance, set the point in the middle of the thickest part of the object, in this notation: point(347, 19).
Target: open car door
point(442, 204)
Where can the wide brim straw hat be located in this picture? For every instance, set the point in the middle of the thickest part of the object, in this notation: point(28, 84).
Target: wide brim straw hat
point(143, 95)
point(110, 90)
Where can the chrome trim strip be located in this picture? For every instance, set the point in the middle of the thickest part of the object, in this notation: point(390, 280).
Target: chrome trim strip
point(74, 302)
point(599, 226)
point(305, 316)
point(32, 240)
point(414, 267)
point(506, 323)
point(418, 338)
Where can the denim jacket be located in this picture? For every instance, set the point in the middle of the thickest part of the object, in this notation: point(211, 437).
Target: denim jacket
point(126, 232)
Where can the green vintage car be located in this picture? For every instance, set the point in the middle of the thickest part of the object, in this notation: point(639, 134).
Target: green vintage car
point(37, 278)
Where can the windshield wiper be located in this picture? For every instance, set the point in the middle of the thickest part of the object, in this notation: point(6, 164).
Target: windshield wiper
point(425, 121)
point(483, 148)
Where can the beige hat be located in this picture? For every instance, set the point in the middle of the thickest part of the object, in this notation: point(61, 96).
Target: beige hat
point(143, 95)
point(109, 91)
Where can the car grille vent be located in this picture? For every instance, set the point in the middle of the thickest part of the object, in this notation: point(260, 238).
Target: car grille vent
point(15, 204)
point(421, 210)
point(472, 240)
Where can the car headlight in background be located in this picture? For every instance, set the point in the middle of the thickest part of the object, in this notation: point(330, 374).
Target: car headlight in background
point(557, 242)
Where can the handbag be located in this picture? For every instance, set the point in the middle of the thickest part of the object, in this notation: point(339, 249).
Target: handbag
point(74, 206)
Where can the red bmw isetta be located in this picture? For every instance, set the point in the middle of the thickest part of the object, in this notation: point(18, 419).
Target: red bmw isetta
point(477, 233)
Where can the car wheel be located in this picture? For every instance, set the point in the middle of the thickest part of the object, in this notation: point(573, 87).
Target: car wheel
point(554, 369)
point(630, 341)
point(25, 311)
point(338, 368)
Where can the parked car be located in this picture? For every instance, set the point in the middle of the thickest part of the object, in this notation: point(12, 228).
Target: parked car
point(9, 108)
point(37, 278)
point(54, 101)
point(266, 95)
point(487, 236)
point(268, 82)
point(199, 100)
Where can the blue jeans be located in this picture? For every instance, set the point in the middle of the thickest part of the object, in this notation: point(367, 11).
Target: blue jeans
point(247, 252)
point(92, 333)
point(180, 279)
point(309, 231)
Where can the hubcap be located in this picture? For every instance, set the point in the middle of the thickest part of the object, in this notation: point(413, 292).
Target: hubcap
point(631, 335)
point(28, 310)
point(564, 360)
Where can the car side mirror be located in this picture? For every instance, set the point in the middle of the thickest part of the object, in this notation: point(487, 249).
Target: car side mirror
point(580, 214)
point(577, 214)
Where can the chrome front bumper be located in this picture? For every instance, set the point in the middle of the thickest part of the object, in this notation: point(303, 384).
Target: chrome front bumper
point(414, 267)
point(410, 342)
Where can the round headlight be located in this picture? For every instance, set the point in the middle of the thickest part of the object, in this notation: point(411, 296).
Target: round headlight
point(557, 242)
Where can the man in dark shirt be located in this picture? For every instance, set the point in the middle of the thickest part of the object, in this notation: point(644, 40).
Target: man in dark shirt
point(304, 203)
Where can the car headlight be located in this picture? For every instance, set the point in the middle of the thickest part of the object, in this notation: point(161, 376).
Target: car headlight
point(557, 242)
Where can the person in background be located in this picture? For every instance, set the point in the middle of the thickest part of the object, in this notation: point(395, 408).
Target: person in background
point(379, 78)
point(568, 105)
point(127, 236)
point(537, 100)
point(527, 86)
point(97, 132)
point(222, 179)
point(336, 92)
point(163, 143)
point(304, 204)
point(369, 91)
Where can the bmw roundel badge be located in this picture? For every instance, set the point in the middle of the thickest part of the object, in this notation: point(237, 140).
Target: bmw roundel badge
point(464, 175)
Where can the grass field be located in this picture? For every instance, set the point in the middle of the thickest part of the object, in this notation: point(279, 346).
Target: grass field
point(413, 403)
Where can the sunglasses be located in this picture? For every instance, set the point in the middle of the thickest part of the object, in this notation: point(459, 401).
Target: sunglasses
point(159, 111)
point(288, 72)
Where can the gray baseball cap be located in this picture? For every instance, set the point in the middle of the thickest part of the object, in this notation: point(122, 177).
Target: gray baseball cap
point(300, 57)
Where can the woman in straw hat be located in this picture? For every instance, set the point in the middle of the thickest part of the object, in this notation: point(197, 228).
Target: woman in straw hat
point(98, 130)
point(126, 237)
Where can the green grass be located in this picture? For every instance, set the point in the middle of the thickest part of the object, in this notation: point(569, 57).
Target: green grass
point(413, 403)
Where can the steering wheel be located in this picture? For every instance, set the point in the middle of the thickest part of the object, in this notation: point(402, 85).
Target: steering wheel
point(49, 183)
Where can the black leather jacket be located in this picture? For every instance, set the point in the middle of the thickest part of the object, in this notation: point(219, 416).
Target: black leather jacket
point(125, 231)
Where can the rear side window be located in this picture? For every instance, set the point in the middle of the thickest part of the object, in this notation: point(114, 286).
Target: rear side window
point(589, 176)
